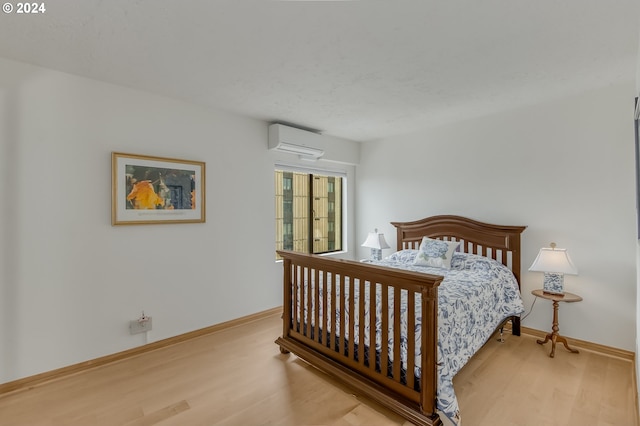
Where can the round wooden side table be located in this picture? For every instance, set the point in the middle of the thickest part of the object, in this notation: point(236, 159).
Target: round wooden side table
point(554, 336)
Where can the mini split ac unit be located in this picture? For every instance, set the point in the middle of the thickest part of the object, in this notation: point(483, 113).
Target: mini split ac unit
point(295, 141)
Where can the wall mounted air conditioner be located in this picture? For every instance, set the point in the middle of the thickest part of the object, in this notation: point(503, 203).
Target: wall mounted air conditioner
point(295, 141)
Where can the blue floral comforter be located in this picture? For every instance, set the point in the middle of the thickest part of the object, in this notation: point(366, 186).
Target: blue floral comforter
point(476, 295)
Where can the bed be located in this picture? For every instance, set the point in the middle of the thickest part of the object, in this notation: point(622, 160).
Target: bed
point(346, 319)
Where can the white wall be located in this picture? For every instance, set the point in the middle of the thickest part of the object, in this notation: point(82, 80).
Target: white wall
point(565, 169)
point(70, 282)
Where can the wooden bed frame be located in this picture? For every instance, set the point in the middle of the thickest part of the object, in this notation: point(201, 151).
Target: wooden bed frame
point(383, 381)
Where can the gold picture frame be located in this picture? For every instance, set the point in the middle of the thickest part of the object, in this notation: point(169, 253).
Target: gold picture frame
point(153, 190)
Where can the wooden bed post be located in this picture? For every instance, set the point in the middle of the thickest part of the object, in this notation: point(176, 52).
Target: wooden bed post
point(286, 314)
point(514, 244)
point(429, 344)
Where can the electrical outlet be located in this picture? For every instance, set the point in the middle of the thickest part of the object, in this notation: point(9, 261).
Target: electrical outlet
point(140, 325)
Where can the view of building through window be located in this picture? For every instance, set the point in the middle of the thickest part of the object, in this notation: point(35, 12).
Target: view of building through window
point(308, 212)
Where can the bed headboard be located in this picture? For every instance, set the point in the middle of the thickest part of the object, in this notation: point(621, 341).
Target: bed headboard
point(499, 242)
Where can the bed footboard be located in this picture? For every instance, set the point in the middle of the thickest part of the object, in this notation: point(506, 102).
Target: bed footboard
point(346, 319)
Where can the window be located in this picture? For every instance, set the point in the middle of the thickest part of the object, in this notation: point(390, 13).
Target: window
point(287, 182)
point(308, 211)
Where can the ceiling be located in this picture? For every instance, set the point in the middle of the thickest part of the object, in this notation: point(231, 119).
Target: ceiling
point(360, 70)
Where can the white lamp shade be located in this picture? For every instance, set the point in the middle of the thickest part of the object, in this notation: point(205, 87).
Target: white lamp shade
point(554, 260)
point(375, 241)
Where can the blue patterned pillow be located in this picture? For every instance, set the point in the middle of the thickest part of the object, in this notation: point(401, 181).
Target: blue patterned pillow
point(435, 253)
point(403, 256)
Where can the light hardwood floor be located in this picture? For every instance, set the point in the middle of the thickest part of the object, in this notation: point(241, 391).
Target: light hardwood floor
point(238, 377)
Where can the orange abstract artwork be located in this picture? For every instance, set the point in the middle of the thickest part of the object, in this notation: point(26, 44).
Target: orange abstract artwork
point(144, 196)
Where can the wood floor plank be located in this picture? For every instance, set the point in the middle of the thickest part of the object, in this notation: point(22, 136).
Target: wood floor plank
point(161, 415)
point(238, 376)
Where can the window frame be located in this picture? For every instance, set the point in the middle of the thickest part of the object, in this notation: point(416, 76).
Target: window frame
point(344, 199)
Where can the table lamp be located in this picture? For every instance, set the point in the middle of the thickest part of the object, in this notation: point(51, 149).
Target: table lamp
point(376, 243)
point(554, 262)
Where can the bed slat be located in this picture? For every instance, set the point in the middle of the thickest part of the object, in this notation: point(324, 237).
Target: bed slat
point(362, 325)
point(411, 324)
point(372, 324)
point(396, 334)
point(384, 356)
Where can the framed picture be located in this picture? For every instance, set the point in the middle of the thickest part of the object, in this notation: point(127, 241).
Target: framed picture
point(147, 190)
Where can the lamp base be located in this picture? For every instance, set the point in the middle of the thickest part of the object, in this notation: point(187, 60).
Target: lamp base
point(376, 254)
point(553, 283)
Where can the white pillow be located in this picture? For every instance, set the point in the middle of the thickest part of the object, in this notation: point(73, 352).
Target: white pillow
point(436, 253)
